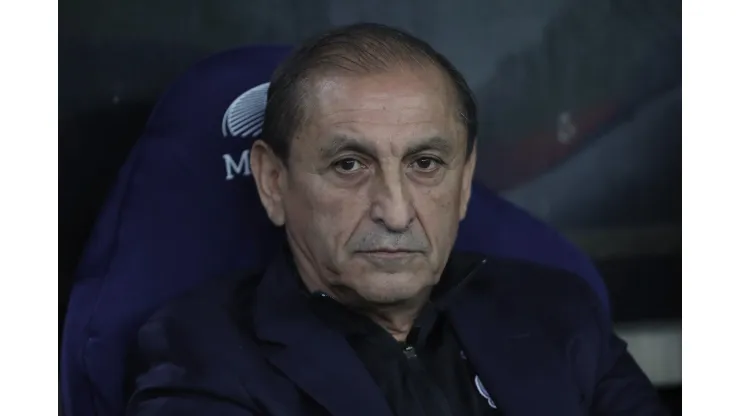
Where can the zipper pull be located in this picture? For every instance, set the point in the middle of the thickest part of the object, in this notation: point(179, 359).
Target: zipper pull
point(412, 359)
point(409, 352)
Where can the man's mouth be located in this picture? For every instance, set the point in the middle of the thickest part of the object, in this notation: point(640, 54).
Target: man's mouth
point(389, 253)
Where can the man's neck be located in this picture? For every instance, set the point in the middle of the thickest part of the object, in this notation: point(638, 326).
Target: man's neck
point(397, 319)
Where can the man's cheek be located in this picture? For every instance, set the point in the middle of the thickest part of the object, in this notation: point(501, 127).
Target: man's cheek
point(439, 205)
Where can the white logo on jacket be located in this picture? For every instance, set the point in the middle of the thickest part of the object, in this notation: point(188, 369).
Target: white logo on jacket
point(483, 392)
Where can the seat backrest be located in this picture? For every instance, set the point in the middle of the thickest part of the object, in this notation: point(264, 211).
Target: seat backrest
point(184, 210)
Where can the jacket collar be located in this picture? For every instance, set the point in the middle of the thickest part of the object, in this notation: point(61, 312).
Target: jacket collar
point(316, 358)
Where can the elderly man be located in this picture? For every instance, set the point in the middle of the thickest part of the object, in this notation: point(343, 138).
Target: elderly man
point(366, 159)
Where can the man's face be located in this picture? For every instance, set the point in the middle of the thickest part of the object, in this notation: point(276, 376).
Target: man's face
point(376, 184)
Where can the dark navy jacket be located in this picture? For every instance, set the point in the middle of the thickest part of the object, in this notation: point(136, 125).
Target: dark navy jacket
point(537, 337)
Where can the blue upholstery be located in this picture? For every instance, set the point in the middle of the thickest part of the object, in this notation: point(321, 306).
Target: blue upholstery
point(184, 210)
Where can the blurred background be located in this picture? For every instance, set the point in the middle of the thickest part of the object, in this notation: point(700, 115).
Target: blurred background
point(580, 106)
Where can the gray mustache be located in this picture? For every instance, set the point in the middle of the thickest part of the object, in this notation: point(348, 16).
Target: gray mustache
point(389, 241)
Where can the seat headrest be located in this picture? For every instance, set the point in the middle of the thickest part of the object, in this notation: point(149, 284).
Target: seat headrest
point(183, 209)
point(186, 184)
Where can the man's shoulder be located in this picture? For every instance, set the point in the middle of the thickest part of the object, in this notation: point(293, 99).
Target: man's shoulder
point(201, 343)
point(540, 291)
point(518, 275)
point(211, 303)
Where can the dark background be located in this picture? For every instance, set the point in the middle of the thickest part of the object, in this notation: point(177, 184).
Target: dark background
point(609, 72)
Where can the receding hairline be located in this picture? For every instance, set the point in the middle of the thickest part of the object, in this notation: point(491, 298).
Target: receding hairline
point(357, 49)
point(310, 83)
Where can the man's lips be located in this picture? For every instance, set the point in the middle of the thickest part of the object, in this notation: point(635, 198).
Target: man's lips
point(388, 253)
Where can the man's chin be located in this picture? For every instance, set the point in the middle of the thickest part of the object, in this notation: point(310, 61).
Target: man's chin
point(392, 289)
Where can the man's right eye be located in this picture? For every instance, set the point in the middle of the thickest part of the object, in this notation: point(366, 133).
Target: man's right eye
point(348, 166)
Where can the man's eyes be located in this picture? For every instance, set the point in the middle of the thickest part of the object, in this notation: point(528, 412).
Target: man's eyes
point(426, 164)
point(348, 165)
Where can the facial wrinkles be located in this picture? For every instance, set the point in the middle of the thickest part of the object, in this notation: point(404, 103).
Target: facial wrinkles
point(409, 111)
point(412, 112)
point(388, 186)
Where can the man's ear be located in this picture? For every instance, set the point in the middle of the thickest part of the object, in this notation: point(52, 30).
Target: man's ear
point(269, 176)
point(468, 173)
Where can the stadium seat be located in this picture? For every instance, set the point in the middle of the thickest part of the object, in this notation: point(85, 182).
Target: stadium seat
point(184, 210)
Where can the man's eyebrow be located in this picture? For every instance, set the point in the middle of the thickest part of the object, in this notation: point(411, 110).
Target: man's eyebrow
point(438, 144)
point(343, 143)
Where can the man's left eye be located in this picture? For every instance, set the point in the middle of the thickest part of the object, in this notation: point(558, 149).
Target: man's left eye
point(426, 164)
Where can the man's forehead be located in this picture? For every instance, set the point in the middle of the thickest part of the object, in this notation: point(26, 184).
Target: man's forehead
point(406, 94)
point(380, 106)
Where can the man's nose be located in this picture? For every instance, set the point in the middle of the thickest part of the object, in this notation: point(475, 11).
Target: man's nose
point(392, 203)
